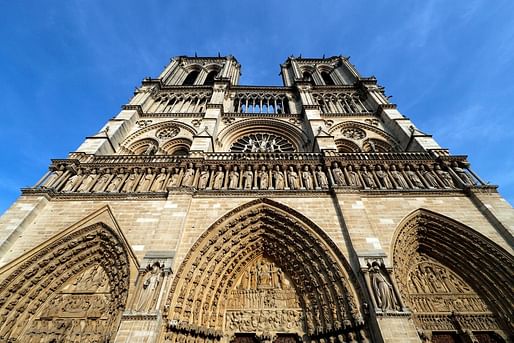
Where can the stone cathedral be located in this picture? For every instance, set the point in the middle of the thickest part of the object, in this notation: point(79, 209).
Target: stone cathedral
point(207, 211)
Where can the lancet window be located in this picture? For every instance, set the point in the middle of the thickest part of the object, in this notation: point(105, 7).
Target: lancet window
point(191, 78)
point(261, 103)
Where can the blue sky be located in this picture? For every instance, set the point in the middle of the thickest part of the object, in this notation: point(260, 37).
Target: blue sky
point(68, 66)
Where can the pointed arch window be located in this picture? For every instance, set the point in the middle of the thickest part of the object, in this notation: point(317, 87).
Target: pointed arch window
point(308, 77)
point(191, 78)
point(327, 78)
point(209, 80)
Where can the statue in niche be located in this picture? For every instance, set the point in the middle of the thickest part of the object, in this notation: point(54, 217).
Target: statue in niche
point(445, 177)
point(321, 177)
point(116, 181)
point(278, 177)
point(353, 177)
point(150, 287)
point(72, 181)
point(428, 176)
point(174, 179)
point(233, 178)
point(367, 176)
point(398, 178)
point(338, 175)
point(307, 179)
point(248, 178)
point(158, 184)
point(461, 173)
point(203, 180)
point(263, 178)
point(102, 181)
point(383, 178)
point(131, 181)
point(189, 176)
point(413, 177)
point(151, 149)
point(383, 290)
point(145, 182)
point(87, 181)
point(218, 178)
point(292, 178)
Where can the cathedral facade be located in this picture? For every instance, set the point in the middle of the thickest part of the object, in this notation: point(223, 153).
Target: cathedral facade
point(212, 212)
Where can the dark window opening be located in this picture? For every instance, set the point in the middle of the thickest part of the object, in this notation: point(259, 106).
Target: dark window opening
point(308, 77)
point(327, 78)
point(191, 78)
point(209, 80)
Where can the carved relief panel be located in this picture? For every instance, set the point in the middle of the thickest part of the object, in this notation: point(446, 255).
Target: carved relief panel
point(79, 312)
point(264, 299)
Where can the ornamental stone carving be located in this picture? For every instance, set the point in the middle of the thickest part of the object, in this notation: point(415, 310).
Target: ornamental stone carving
point(353, 133)
point(167, 132)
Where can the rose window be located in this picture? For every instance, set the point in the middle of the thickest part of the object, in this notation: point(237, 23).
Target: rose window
point(353, 133)
point(168, 132)
point(262, 142)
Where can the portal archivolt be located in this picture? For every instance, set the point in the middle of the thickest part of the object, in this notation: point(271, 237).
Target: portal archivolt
point(73, 289)
point(258, 268)
point(456, 281)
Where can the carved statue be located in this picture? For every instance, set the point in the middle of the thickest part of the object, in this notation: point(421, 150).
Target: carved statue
point(413, 177)
point(307, 179)
point(233, 179)
point(321, 177)
point(398, 178)
point(429, 177)
point(263, 178)
point(87, 181)
point(461, 173)
point(145, 181)
point(158, 184)
point(130, 182)
point(116, 181)
point(150, 287)
point(353, 177)
point(383, 178)
point(383, 290)
point(248, 178)
point(292, 178)
point(175, 178)
point(338, 175)
point(102, 181)
point(278, 176)
point(218, 178)
point(72, 181)
point(367, 176)
point(151, 149)
point(445, 177)
point(203, 180)
point(189, 176)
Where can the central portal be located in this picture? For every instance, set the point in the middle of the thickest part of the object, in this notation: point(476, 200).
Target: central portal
point(264, 306)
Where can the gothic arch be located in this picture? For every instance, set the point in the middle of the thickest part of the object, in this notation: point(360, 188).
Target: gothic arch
point(35, 283)
point(175, 146)
point(148, 146)
point(347, 146)
point(468, 255)
point(321, 276)
point(233, 132)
